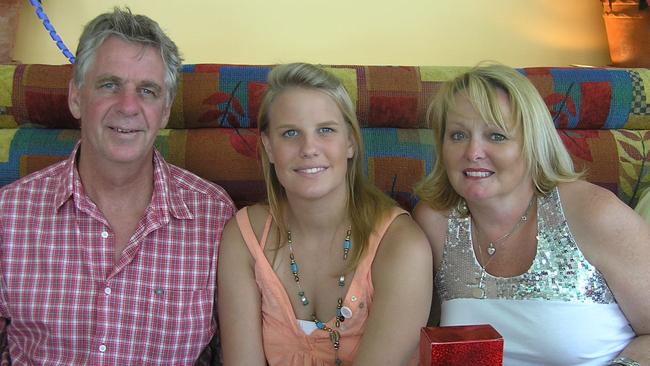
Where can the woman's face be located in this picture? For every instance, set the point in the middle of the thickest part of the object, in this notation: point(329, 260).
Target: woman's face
point(483, 162)
point(309, 144)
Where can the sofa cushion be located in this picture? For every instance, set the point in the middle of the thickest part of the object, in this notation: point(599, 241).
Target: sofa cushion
point(216, 95)
point(395, 158)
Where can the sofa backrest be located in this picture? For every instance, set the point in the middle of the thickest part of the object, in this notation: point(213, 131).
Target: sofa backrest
point(602, 115)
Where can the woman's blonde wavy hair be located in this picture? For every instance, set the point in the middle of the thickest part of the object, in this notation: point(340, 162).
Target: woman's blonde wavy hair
point(547, 160)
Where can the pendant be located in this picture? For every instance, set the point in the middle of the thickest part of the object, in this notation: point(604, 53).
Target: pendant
point(478, 293)
point(335, 337)
point(303, 298)
point(346, 312)
point(491, 249)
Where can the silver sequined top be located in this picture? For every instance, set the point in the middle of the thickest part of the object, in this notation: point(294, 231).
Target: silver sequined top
point(559, 271)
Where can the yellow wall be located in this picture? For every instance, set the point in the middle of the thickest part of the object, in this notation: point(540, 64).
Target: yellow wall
point(380, 32)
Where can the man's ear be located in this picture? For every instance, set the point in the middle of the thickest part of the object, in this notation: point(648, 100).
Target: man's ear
point(266, 143)
point(74, 100)
point(166, 113)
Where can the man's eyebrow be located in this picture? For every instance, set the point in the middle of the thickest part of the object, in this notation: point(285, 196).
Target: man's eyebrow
point(105, 78)
point(150, 84)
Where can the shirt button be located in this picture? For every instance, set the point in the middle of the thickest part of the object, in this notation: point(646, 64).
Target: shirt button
point(104, 234)
point(102, 348)
point(107, 290)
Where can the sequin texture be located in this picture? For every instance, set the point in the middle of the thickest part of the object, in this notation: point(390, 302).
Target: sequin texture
point(559, 271)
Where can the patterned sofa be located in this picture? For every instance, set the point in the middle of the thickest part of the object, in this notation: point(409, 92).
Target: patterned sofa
point(602, 115)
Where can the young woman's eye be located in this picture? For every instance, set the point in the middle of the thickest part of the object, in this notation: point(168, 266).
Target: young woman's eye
point(457, 136)
point(325, 130)
point(290, 133)
point(498, 137)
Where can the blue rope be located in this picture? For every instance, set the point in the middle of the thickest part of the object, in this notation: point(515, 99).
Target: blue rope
point(50, 28)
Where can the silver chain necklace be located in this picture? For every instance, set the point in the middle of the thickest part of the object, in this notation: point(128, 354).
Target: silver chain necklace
point(479, 291)
point(491, 247)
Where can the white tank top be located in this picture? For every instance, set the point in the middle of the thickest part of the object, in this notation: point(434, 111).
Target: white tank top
point(560, 312)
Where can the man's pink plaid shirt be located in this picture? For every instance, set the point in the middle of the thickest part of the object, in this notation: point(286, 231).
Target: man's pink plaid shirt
point(69, 303)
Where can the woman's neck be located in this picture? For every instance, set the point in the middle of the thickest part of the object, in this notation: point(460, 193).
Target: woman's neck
point(316, 216)
point(498, 215)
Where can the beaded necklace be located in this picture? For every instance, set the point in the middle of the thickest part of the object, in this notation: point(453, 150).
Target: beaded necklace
point(334, 334)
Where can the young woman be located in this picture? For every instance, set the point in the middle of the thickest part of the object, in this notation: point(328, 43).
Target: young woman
point(328, 271)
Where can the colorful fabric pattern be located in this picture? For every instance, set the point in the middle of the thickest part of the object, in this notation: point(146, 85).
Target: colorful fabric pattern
point(602, 115)
point(396, 159)
point(216, 95)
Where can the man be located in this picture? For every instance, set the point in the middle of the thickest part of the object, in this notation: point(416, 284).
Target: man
point(109, 257)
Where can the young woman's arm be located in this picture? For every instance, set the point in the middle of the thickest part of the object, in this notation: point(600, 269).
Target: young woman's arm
point(239, 302)
point(402, 278)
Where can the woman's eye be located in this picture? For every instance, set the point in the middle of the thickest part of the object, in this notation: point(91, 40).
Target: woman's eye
point(457, 136)
point(325, 130)
point(498, 137)
point(290, 133)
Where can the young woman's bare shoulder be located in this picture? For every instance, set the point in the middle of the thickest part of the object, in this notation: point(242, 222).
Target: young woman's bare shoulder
point(258, 214)
point(405, 234)
point(425, 215)
point(434, 224)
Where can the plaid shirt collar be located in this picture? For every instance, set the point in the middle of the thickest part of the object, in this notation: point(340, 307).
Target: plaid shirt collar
point(166, 199)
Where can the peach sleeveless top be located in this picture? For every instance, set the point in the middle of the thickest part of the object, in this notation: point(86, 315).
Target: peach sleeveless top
point(285, 343)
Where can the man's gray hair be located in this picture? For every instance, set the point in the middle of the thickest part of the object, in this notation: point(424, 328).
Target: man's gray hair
point(132, 28)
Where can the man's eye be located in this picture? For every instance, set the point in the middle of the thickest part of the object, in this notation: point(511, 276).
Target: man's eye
point(108, 85)
point(147, 92)
point(290, 133)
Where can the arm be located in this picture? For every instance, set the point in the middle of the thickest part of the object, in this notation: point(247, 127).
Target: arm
point(617, 241)
point(434, 225)
point(402, 278)
point(239, 305)
point(211, 355)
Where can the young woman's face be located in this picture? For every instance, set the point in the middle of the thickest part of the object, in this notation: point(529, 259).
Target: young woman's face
point(309, 143)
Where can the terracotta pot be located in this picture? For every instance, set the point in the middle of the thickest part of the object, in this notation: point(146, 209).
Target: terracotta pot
point(628, 33)
point(9, 25)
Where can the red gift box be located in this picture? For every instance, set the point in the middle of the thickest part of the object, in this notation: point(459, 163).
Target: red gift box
point(476, 345)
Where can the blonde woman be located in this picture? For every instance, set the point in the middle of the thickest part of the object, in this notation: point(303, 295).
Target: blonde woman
point(557, 265)
point(328, 271)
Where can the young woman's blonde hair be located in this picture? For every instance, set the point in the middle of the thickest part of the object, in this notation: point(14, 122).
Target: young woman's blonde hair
point(366, 205)
point(547, 160)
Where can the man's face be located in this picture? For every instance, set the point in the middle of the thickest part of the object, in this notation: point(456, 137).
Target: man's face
point(121, 104)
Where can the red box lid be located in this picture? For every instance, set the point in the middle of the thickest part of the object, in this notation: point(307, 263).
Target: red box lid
point(476, 345)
